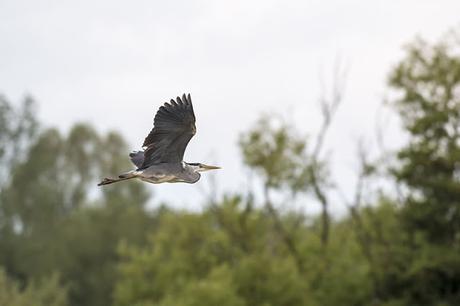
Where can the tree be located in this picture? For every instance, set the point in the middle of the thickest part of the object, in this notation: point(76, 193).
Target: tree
point(18, 128)
point(47, 292)
point(426, 84)
point(279, 157)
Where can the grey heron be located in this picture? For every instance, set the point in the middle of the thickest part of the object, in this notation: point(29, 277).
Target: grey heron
point(161, 159)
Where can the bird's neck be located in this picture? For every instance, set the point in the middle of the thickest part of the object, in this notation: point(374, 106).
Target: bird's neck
point(191, 166)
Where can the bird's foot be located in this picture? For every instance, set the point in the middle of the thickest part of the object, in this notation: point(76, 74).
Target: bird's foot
point(107, 181)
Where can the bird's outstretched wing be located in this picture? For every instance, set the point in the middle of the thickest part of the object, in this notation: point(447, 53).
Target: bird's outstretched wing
point(174, 126)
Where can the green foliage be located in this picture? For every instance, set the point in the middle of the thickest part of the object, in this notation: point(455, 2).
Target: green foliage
point(428, 82)
point(18, 127)
point(47, 292)
point(216, 288)
point(276, 153)
point(165, 263)
point(229, 254)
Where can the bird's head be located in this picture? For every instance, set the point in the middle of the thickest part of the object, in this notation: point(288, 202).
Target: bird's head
point(202, 167)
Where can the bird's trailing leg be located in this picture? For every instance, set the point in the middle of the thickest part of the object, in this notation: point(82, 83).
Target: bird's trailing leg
point(122, 177)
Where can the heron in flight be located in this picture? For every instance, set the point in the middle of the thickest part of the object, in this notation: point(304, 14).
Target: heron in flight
point(161, 159)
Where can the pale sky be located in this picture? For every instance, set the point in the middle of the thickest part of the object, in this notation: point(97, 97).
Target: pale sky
point(113, 63)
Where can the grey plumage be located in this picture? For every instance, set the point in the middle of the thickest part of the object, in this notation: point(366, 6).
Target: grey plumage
point(137, 158)
point(164, 147)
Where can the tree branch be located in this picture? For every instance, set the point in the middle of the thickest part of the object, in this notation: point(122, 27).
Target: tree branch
point(329, 108)
point(279, 227)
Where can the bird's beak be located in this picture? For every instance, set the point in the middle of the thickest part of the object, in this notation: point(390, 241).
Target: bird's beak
point(207, 167)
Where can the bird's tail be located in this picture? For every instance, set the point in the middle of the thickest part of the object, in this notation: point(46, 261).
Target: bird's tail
point(121, 177)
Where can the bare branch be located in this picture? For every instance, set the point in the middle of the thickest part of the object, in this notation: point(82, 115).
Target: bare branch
point(328, 106)
point(364, 237)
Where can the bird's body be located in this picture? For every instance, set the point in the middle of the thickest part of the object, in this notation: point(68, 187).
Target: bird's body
point(164, 147)
point(165, 173)
point(183, 173)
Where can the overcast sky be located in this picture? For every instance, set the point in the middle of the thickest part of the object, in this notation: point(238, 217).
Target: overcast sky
point(112, 63)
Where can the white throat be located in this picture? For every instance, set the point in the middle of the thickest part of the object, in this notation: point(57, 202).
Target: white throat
point(194, 168)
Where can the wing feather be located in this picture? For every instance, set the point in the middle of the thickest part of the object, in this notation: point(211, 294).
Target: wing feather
point(174, 126)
